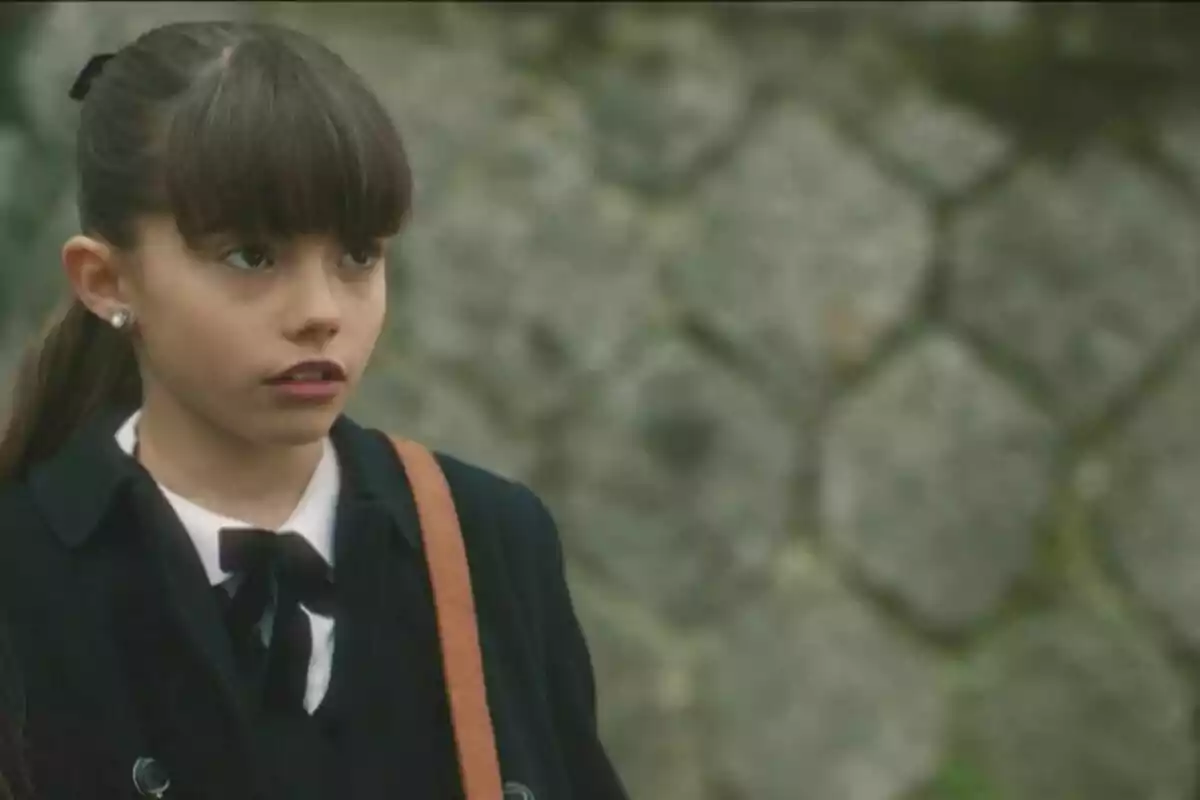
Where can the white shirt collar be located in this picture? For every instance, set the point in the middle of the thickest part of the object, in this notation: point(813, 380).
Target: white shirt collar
point(313, 518)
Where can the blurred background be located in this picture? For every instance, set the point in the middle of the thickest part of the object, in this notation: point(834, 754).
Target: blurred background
point(854, 346)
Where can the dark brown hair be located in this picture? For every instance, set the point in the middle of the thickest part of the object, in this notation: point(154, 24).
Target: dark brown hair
point(234, 128)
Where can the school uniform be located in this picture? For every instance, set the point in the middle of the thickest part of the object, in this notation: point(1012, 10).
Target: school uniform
point(13, 784)
point(117, 595)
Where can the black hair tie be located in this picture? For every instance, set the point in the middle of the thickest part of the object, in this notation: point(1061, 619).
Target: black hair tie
point(83, 83)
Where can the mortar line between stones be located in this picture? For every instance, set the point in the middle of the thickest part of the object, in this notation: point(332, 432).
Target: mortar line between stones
point(1163, 166)
point(762, 98)
point(944, 211)
point(1157, 372)
point(912, 328)
point(892, 611)
point(1024, 381)
point(892, 169)
point(1066, 561)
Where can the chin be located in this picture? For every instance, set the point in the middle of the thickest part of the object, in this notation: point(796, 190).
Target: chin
point(297, 428)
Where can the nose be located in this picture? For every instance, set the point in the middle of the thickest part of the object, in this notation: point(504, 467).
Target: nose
point(314, 314)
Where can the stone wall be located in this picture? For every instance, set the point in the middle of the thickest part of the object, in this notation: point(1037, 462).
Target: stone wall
point(853, 345)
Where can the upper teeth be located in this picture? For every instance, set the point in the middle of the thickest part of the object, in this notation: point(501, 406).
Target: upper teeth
point(308, 375)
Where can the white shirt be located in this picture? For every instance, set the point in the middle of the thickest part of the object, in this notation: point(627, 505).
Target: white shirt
point(313, 518)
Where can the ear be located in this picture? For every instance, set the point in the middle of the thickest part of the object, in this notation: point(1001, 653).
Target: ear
point(94, 272)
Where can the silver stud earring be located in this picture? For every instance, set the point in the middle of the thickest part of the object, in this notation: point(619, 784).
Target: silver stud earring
point(120, 319)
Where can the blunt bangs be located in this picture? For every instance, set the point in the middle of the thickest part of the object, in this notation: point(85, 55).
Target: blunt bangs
point(268, 145)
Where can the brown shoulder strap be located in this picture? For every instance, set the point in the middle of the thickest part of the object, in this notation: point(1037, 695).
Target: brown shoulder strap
point(455, 604)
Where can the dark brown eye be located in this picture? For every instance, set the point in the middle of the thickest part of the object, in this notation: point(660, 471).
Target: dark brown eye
point(361, 259)
point(250, 259)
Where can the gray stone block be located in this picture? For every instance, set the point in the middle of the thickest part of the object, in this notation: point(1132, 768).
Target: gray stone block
point(1082, 272)
point(804, 255)
point(1077, 706)
point(664, 91)
point(679, 484)
point(1148, 506)
point(943, 147)
point(1179, 138)
point(525, 271)
point(934, 475)
point(405, 396)
point(648, 718)
point(817, 698)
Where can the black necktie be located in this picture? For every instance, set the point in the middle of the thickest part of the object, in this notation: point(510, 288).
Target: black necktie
point(287, 566)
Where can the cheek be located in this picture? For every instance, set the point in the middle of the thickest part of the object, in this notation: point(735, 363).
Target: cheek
point(187, 331)
point(368, 310)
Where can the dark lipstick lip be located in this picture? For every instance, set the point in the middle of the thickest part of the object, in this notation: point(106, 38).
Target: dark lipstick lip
point(332, 370)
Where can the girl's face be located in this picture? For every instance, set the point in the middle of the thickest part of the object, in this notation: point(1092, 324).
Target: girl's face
point(218, 325)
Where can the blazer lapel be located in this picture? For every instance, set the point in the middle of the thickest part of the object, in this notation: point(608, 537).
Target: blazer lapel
point(359, 584)
point(102, 691)
point(367, 550)
point(189, 596)
point(194, 711)
point(161, 635)
point(386, 699)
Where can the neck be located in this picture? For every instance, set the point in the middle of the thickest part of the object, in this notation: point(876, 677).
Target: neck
point(220, 471)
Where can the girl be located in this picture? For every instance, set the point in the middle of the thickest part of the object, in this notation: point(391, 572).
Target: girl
point(216, 582)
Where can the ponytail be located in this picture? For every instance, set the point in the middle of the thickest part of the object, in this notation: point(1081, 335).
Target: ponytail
point(77, 367)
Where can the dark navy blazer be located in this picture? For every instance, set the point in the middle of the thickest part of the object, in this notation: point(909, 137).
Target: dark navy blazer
point(124, 655)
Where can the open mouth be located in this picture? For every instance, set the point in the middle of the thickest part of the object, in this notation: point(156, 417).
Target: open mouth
point(311, 372)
